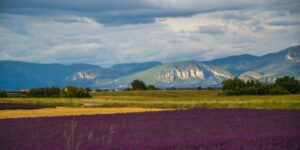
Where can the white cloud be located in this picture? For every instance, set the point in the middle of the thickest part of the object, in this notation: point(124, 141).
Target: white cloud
point(81, 39)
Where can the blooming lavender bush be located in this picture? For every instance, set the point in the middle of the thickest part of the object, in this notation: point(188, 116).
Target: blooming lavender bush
point(4, 106)
point(179, 129)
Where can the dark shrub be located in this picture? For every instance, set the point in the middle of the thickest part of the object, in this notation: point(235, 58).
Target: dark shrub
point(44, 92)
point(98, 90)
point(233, 84)
point(251, 87)
point(276, 90)
point(73, 91)
point(127, 89)
point(289, 83)
point(3, 93)
point(88, 89)
point(138, 85)
point(152, 87)
point(210, 88)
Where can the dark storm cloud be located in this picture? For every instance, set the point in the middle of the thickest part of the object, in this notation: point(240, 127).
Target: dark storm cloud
point(131, 11)
point(77, 5)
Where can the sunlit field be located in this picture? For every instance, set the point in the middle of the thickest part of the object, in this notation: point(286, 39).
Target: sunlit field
point(171, 99)
point(67, 111)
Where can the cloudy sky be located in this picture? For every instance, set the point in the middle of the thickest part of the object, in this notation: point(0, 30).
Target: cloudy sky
point(106, 32)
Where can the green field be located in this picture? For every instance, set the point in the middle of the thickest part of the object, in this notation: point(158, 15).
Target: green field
point(171, 99)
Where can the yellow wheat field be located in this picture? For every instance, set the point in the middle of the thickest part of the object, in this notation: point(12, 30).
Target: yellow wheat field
point(67, 111)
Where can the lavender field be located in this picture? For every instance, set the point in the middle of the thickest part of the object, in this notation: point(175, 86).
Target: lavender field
point(9, 106)
point(179, 129)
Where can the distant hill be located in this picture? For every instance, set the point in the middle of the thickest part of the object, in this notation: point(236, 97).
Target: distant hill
point(179, 74)
point(16, 75)
point(113, 72)
point(234, 64)
point(19, 75)
point(211, 73)
point(265, 68)
point(285, 62)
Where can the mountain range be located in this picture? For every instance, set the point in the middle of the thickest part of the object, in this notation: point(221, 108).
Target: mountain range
point(16, 75)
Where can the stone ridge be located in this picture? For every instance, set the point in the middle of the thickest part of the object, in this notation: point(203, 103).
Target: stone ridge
point(184, 74)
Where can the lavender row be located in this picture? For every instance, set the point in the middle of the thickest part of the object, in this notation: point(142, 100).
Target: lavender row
point(5, 106)
point(181, 129)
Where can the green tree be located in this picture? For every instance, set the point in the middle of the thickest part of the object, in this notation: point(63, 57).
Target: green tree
point(3, 93)
point(254, 83)
point(276, 90)
point(251, 87)
point(199, 88)
point(151, 87)
point(231, 84)
point(44, 92)
point(138, 85)
point(289, 83)
point(88, 89)
point(210, 88)
point(73, 91)
point(54, 92)
point(127, 89)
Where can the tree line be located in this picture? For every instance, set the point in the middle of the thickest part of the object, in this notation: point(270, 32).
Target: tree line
point(54, 92)
point(140, 85)
point(235, 86)
point(281, 86)
point(68, 92)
